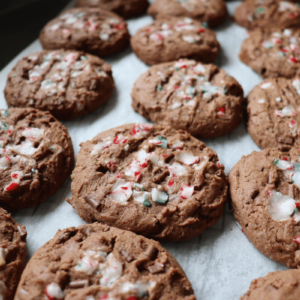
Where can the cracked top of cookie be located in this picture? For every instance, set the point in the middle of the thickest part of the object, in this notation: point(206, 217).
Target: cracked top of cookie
point(151, 180)
point(188, 95)
point(101, 262)
point(12, 254)
point(265, 200)
point(36, 157)
point(66, 83)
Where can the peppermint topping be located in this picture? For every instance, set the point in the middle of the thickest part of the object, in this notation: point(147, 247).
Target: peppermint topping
point(121, 191)
point(266, 85)
point(159, 197)
point(53, 291)
point(187, 158)
point(166, 30)
point(177, 170)
point(111, 270)
point(140, 130)
point(101, 146)
point(283, 164)
point(142, 198)
point(89, 263)
point(4, 113)
point(160, 141)
point(186, 191)
point(283, 207)
point(286, 111)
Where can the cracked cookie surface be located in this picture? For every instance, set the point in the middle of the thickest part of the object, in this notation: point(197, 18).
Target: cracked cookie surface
point(170, 39)
point(12, 254)
point(188, 95)
point(92, 30)
point(101, 262)
point(265, 201)
point(36, 157)
point(282, 285)
point(124, 8)
point(151, 180)
point(66, 83)
point(273, 109)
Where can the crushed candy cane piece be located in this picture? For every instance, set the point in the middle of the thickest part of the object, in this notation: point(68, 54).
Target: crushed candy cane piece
point(101, 146)
point(53, 291)
point(281, 207)
point(176, 169)
point(160, 141)
point(111, 270)
point(139, 130)
point(283, 164)
point(186, 191)
point(121, 191)
point(159, 197)
point(187, 158)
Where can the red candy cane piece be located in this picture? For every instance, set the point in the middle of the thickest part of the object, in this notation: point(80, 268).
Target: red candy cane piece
point(297, 239)
point(11, 187)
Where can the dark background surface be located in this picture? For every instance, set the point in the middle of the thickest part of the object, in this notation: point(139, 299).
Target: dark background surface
point(21, 22)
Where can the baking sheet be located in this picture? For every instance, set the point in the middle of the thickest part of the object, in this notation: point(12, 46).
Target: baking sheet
point(222, 262)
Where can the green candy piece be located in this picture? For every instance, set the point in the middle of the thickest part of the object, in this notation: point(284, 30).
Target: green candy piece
point(164, 142)
point(204, 24)
point(3, 126)
point(146, 202)
point(163, 201)
point(159, 88)
point(276, 162)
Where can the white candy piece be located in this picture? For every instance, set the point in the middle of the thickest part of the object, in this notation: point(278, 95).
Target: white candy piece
point(121, 191)
point(139, 130)
point(283, 164)
point(281, 206)
point(53, 291)
point(111, 270)
point(296, 85)
point(288, 111)
point(187, 158)
point(266, 85)
point(140, 196)
point(101, 146)
point(186, 191)
point(159, 196)
point(87, 265)
point(25, 149)
point(176, 169)
point(32, 133)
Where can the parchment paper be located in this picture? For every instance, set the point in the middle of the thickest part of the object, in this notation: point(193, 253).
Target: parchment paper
point(222, 262)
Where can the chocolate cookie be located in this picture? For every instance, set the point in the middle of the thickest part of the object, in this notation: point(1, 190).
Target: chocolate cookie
point(92, 30)
point(268, 14)
point(274, 113)
point(12, 254)
point(201, 99)
point(265, 200)
point(124, 8)
point(66, 83)
point(173, 38)
point(149, 179)
point(273, 53)
point(101, 262)
point(283, 285)
point(36, 157)
point(213, 12)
